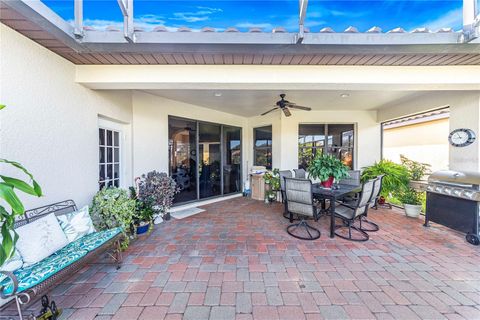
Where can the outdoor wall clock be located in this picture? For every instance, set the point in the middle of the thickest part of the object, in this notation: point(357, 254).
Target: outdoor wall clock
point(461, 137)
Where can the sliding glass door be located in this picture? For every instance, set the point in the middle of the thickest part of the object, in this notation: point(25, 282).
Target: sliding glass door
point(210, 160)
point(205, 159)
point(183, 157)
point(232, 159)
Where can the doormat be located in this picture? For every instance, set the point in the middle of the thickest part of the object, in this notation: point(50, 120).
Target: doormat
point(185, 213)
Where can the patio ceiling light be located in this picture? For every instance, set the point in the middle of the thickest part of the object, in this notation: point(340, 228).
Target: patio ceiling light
point(344, 95)
point(217, 94)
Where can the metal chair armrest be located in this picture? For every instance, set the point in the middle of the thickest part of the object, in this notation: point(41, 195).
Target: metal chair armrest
point(15, 285)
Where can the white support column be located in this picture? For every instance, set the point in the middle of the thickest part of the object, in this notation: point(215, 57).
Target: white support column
point(469, 14)
point(126, 6)
point(301, 19)
point(78, 13)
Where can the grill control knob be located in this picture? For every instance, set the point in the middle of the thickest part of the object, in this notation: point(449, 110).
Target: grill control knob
point(438, 189)
point(447, 191)
point(457, 192)
point(429, 188)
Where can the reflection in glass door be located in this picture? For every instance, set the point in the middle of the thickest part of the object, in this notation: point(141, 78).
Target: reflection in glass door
point(183, 157)
point(205, 159)
point(232, 159)
point(209, 148)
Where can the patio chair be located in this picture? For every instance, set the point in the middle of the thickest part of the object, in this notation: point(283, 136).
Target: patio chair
point(368, 225)
point(353, 179)
point(284, 174)
point(377, 190)
point(351, 213)
point(299, 197)
point(300, 173)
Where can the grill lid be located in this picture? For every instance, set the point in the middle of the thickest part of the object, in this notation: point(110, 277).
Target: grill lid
point(455, 177)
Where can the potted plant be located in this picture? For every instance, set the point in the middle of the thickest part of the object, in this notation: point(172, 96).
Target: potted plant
point(327, 169)
point(272, 185)
point(112, 207)
point(144, 213)
point(395, 180)
point(158, 190)
point(412, 202)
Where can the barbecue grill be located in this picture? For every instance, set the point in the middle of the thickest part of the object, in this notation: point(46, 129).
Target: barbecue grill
point(453, 200)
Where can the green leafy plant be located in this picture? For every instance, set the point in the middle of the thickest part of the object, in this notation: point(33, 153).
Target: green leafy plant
point(144, 211)
point(8, 193)
point(325, 166)
point(411, 196)
point(112, 207)
point(417, 170)
point(158, 190)
point(396, 177)
point(272, 183)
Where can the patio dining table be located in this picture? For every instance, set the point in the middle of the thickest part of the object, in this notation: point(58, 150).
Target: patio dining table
point(333, 194)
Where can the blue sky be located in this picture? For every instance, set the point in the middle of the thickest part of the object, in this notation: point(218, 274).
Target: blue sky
point(338, 15)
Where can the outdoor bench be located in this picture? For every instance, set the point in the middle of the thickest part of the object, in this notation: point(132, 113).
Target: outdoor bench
point(24, 284)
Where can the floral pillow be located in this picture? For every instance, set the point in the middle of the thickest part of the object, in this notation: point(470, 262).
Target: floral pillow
point(39, 239)
point(76, 224)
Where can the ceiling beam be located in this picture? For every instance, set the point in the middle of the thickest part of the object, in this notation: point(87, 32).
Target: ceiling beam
point(78, 13)
point(303, 4)
point(126, 6)
point(470, 22)
point(41, 15)
point(279, 43)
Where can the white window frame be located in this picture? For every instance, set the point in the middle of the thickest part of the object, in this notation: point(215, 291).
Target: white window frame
point(120, 128)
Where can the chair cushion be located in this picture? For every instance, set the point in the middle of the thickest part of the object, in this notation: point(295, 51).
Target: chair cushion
point(344, 212)
point(30, 276)
point(94, 240)
point(39, 239)
point(76, 224)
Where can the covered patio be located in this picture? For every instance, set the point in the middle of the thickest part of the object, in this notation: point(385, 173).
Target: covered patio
point(91, 110)
point(235, 261)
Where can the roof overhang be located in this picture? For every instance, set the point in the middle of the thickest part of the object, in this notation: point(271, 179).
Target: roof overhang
point(214, 43)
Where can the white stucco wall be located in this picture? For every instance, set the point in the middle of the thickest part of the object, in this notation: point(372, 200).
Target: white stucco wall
point(464, 113)
point(285, 134)
point(150, 129)
point(50, 123)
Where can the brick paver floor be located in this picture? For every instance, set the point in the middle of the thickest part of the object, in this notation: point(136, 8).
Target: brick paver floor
point(235, 261)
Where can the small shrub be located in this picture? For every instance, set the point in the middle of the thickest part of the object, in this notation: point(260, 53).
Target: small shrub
point(112, 207)
point(157, 190)
point(417, 170)
point(325, 166)
point(396, 177)
point(411, 196)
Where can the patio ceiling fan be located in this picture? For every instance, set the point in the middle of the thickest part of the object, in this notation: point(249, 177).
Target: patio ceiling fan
point(285, 106)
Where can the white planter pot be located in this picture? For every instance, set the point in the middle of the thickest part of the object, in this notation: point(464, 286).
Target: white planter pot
point(412, 210)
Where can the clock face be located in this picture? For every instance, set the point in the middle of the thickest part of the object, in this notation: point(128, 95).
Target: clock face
point(461, 137)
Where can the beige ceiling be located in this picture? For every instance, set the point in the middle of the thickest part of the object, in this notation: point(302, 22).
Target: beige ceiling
point(249, 103)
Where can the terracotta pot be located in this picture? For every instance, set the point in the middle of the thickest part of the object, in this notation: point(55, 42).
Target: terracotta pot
point(381, 200)
point(328, 183)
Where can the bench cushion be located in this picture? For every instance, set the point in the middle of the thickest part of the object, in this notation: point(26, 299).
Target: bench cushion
point(30, 276)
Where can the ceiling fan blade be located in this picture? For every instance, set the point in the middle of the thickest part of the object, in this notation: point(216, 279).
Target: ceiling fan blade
point(286, 112)
point(294, 106)
point(269, 111)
